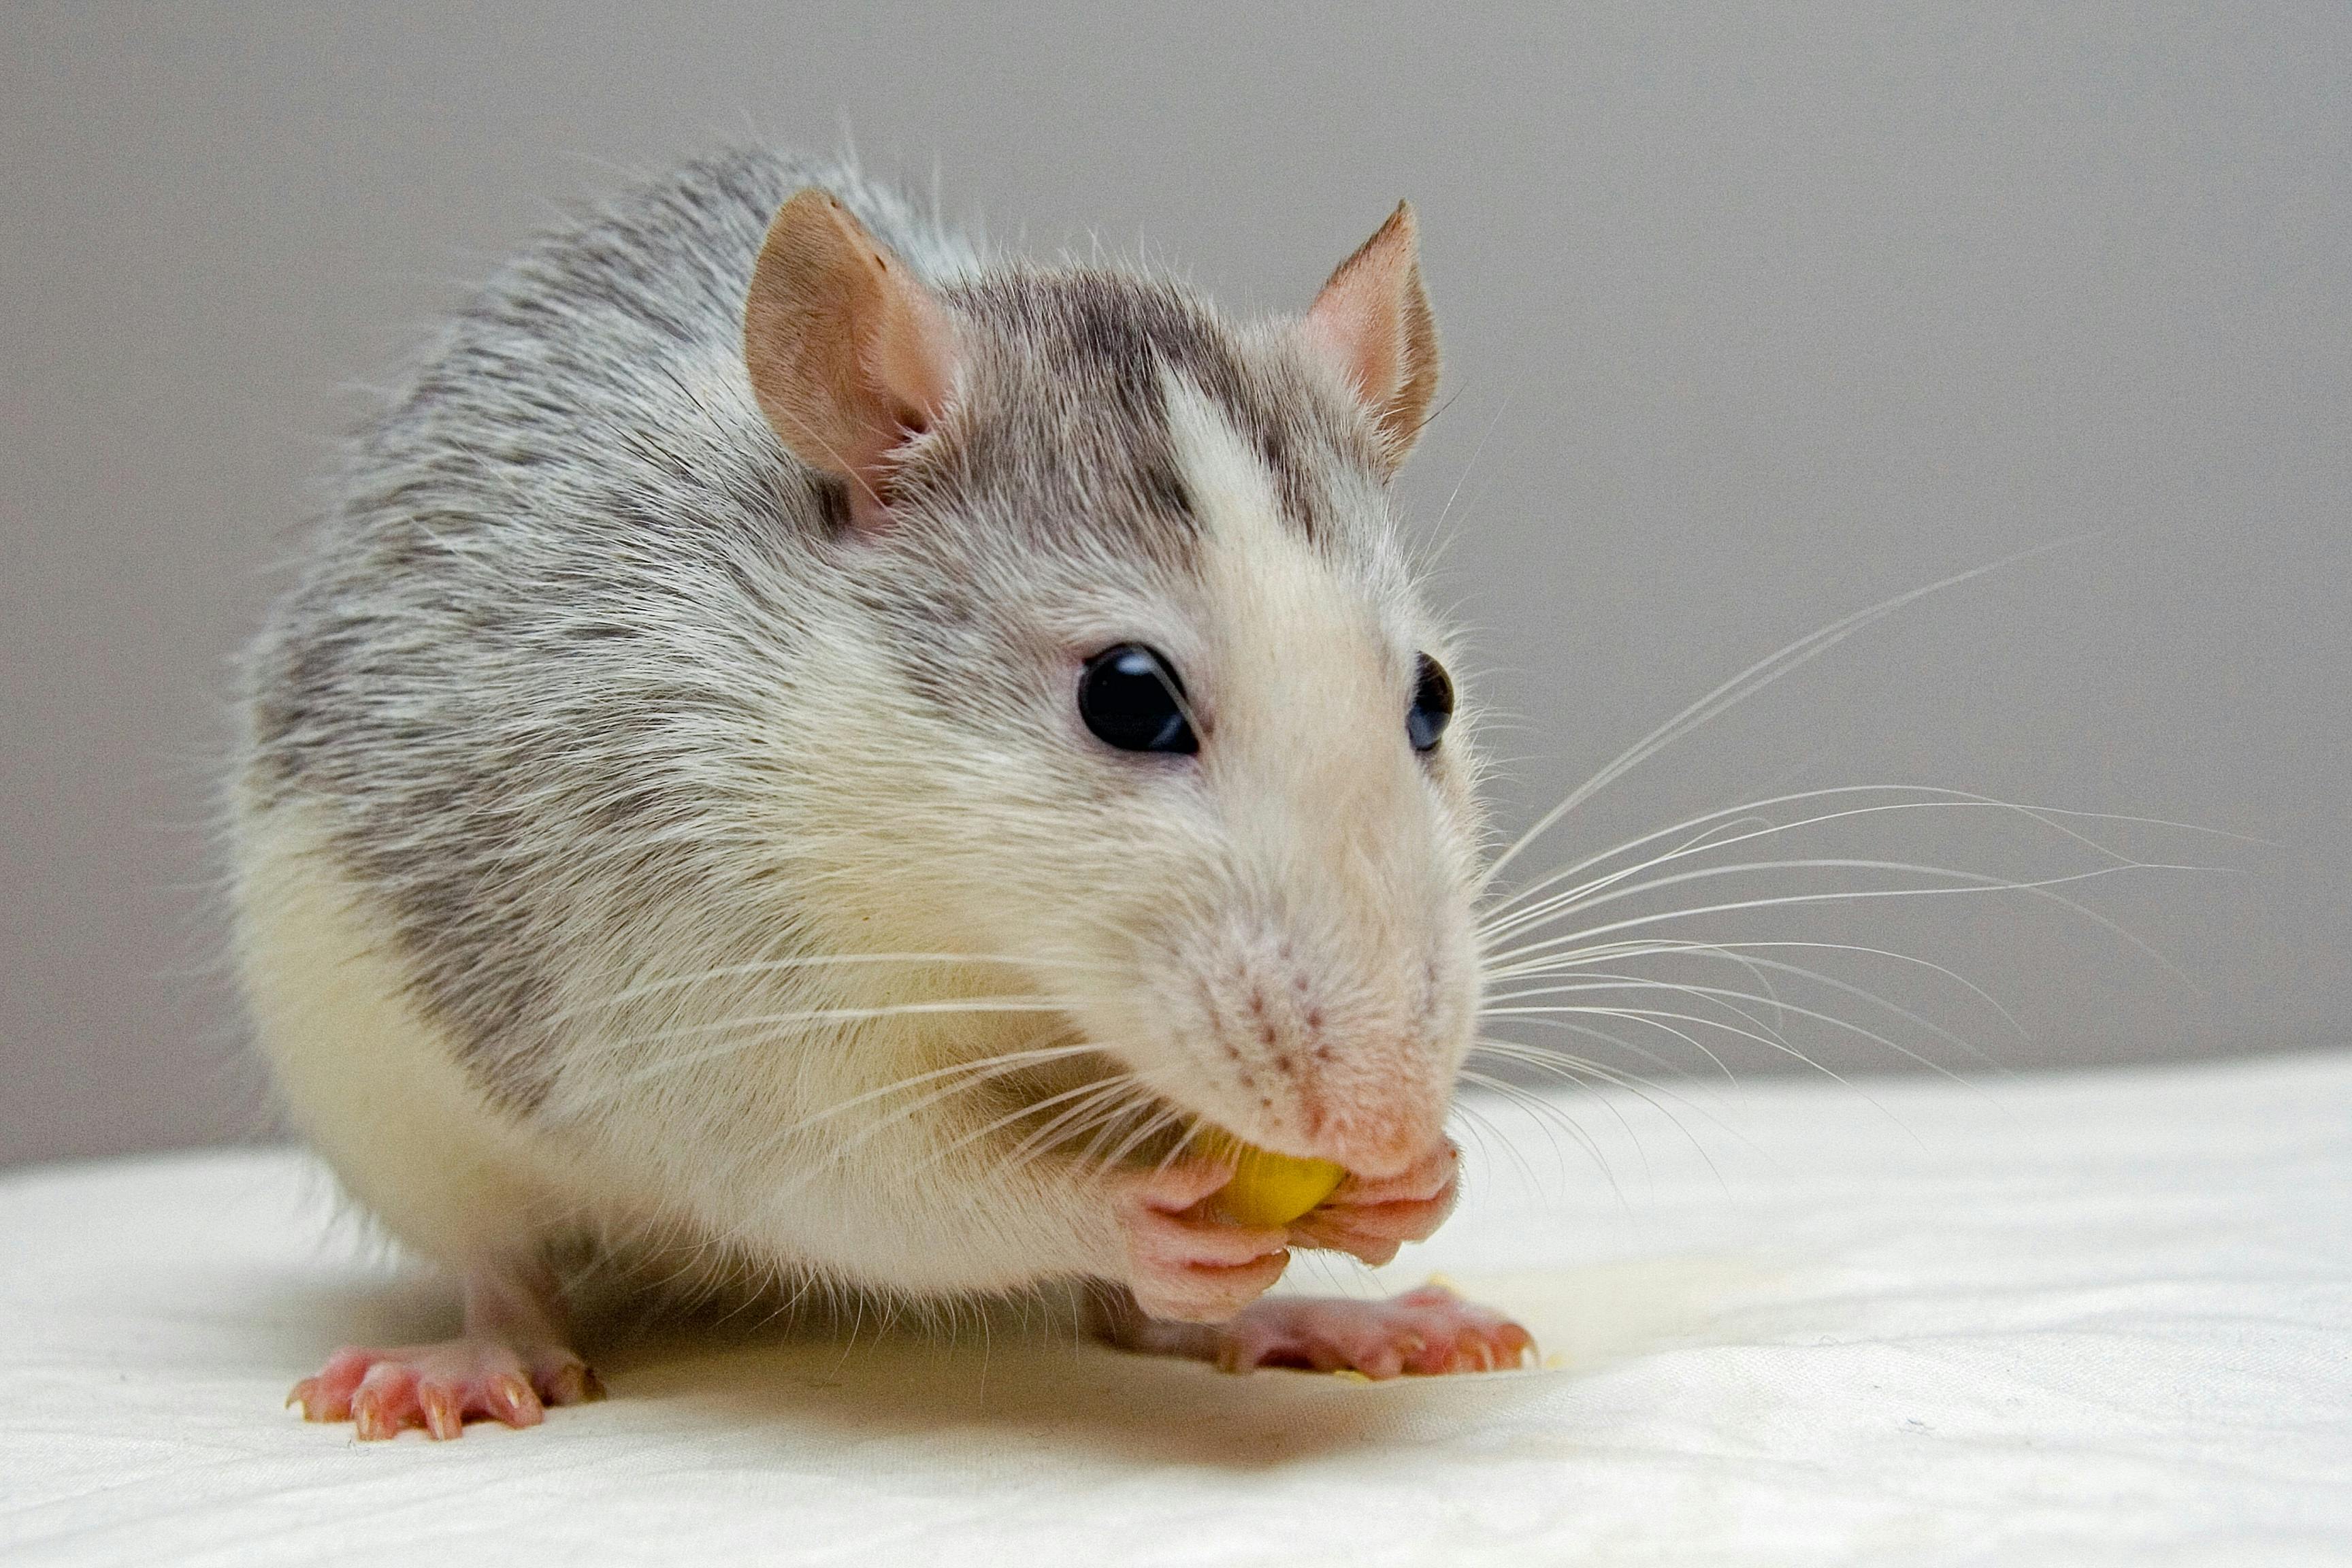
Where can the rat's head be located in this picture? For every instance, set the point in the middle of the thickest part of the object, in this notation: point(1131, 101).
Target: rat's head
point(1138, 688)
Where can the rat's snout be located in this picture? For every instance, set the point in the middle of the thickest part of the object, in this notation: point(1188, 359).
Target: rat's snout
point(1343, 1055)
point(1381, 1140)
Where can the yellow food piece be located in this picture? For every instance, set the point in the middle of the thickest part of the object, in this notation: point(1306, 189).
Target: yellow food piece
point(1269, 1189)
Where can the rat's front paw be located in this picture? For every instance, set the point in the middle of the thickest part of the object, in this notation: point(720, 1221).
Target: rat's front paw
point(438, 1387)
point(1429, 1333)
point(1372, 1218)
point(1185, 1263)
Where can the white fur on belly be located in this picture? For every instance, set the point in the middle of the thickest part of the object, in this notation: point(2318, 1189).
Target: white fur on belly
point(374, 1087)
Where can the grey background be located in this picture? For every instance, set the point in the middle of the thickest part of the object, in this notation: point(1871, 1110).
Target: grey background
point(1753, 316)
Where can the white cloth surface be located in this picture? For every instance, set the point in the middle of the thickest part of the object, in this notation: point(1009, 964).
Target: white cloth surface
point(2092, 1319)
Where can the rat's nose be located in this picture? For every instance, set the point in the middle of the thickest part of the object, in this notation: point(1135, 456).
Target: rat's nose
point(1374, 1137)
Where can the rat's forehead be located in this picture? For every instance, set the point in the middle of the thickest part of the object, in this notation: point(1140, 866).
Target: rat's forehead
point(1273, 581)
point(1078, 374)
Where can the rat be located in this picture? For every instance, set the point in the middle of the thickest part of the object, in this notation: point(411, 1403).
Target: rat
point(810, 762)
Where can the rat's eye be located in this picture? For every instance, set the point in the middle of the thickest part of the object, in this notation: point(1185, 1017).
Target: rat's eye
point(1130, 697)
point(1433, 704)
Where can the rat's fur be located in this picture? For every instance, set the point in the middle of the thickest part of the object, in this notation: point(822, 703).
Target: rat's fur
point(598, 776)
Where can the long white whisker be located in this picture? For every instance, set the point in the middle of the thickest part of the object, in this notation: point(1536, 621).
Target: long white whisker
point(1109, 1095)
point(1652, 1058)
point(1166, 1116)
point(1479, 1124)
point(1635, 982)
point(845, 1015)
point(1573, 962)
point(1973, 883)
point(1566, 1066)
point(768, 1034)
point(813, 961)
point(1547, 1114)
point(2052, 817)
point(1541, 1015)
point(1527, 915)
point(1755, 677)
point(963, 1076)
point(1085, 1094)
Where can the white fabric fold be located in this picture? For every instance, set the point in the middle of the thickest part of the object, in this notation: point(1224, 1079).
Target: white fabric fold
point(2099, 1318)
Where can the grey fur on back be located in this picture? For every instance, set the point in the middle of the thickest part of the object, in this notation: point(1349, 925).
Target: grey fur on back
point(529, 603)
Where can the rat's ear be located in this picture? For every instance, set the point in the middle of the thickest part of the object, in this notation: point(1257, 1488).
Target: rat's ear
point(850, 355)
point(1373, 322)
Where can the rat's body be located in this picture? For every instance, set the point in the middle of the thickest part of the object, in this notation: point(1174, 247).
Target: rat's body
point(666, 822)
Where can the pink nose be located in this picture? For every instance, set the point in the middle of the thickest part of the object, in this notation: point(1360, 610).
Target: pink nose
point(1377, 1141)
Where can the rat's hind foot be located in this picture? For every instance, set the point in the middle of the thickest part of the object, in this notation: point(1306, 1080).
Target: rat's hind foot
point(438, 1387)
point(1425, 1333)
point(1428, 1331)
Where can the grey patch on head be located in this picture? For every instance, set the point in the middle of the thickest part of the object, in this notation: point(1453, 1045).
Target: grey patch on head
point(1059, 454)
point(1110, 337)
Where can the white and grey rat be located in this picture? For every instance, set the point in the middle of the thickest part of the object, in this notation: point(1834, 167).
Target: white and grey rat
point(806, 758)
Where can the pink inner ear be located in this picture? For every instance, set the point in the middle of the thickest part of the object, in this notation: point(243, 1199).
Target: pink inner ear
point(1371, 322)
point(1360, 332)
point(849, 355)
point(910, 374)
point(911, 356)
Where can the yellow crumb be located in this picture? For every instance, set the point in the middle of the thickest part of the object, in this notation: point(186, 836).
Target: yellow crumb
point(1269, 1189)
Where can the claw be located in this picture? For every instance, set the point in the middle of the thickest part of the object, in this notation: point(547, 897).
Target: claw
point(514, 1402)
point(1423, 1332)
point(443, 1418)
point(437, 1388)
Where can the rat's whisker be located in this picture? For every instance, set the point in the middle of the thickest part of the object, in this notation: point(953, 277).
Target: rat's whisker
point(1652, 1058)
point(1575, 897)
point(1580, 1070)
point(1600, 980)
point(813, 960)
point(851, 1015)
point(2054, 818)
point(1766, 1038)
point(1755, 677)
point(1972, 883)
point(1572, 963)
point(1105, 1103)
point(958, 1078)
point(1165, 1116)
point(962, 1078)
point(1477, 1125)
point(1086, 1097)
point(768, 1024)
point(1711, 992)
point(1548, 1113)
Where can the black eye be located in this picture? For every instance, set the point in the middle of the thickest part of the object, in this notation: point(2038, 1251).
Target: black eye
point(1130, 697)
point(1433, 704)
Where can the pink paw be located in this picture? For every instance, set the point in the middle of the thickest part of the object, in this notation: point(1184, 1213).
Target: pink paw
point(1371, 1220)
point(1427, 1332)
point(1185, 1264)
point(438, 1387)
